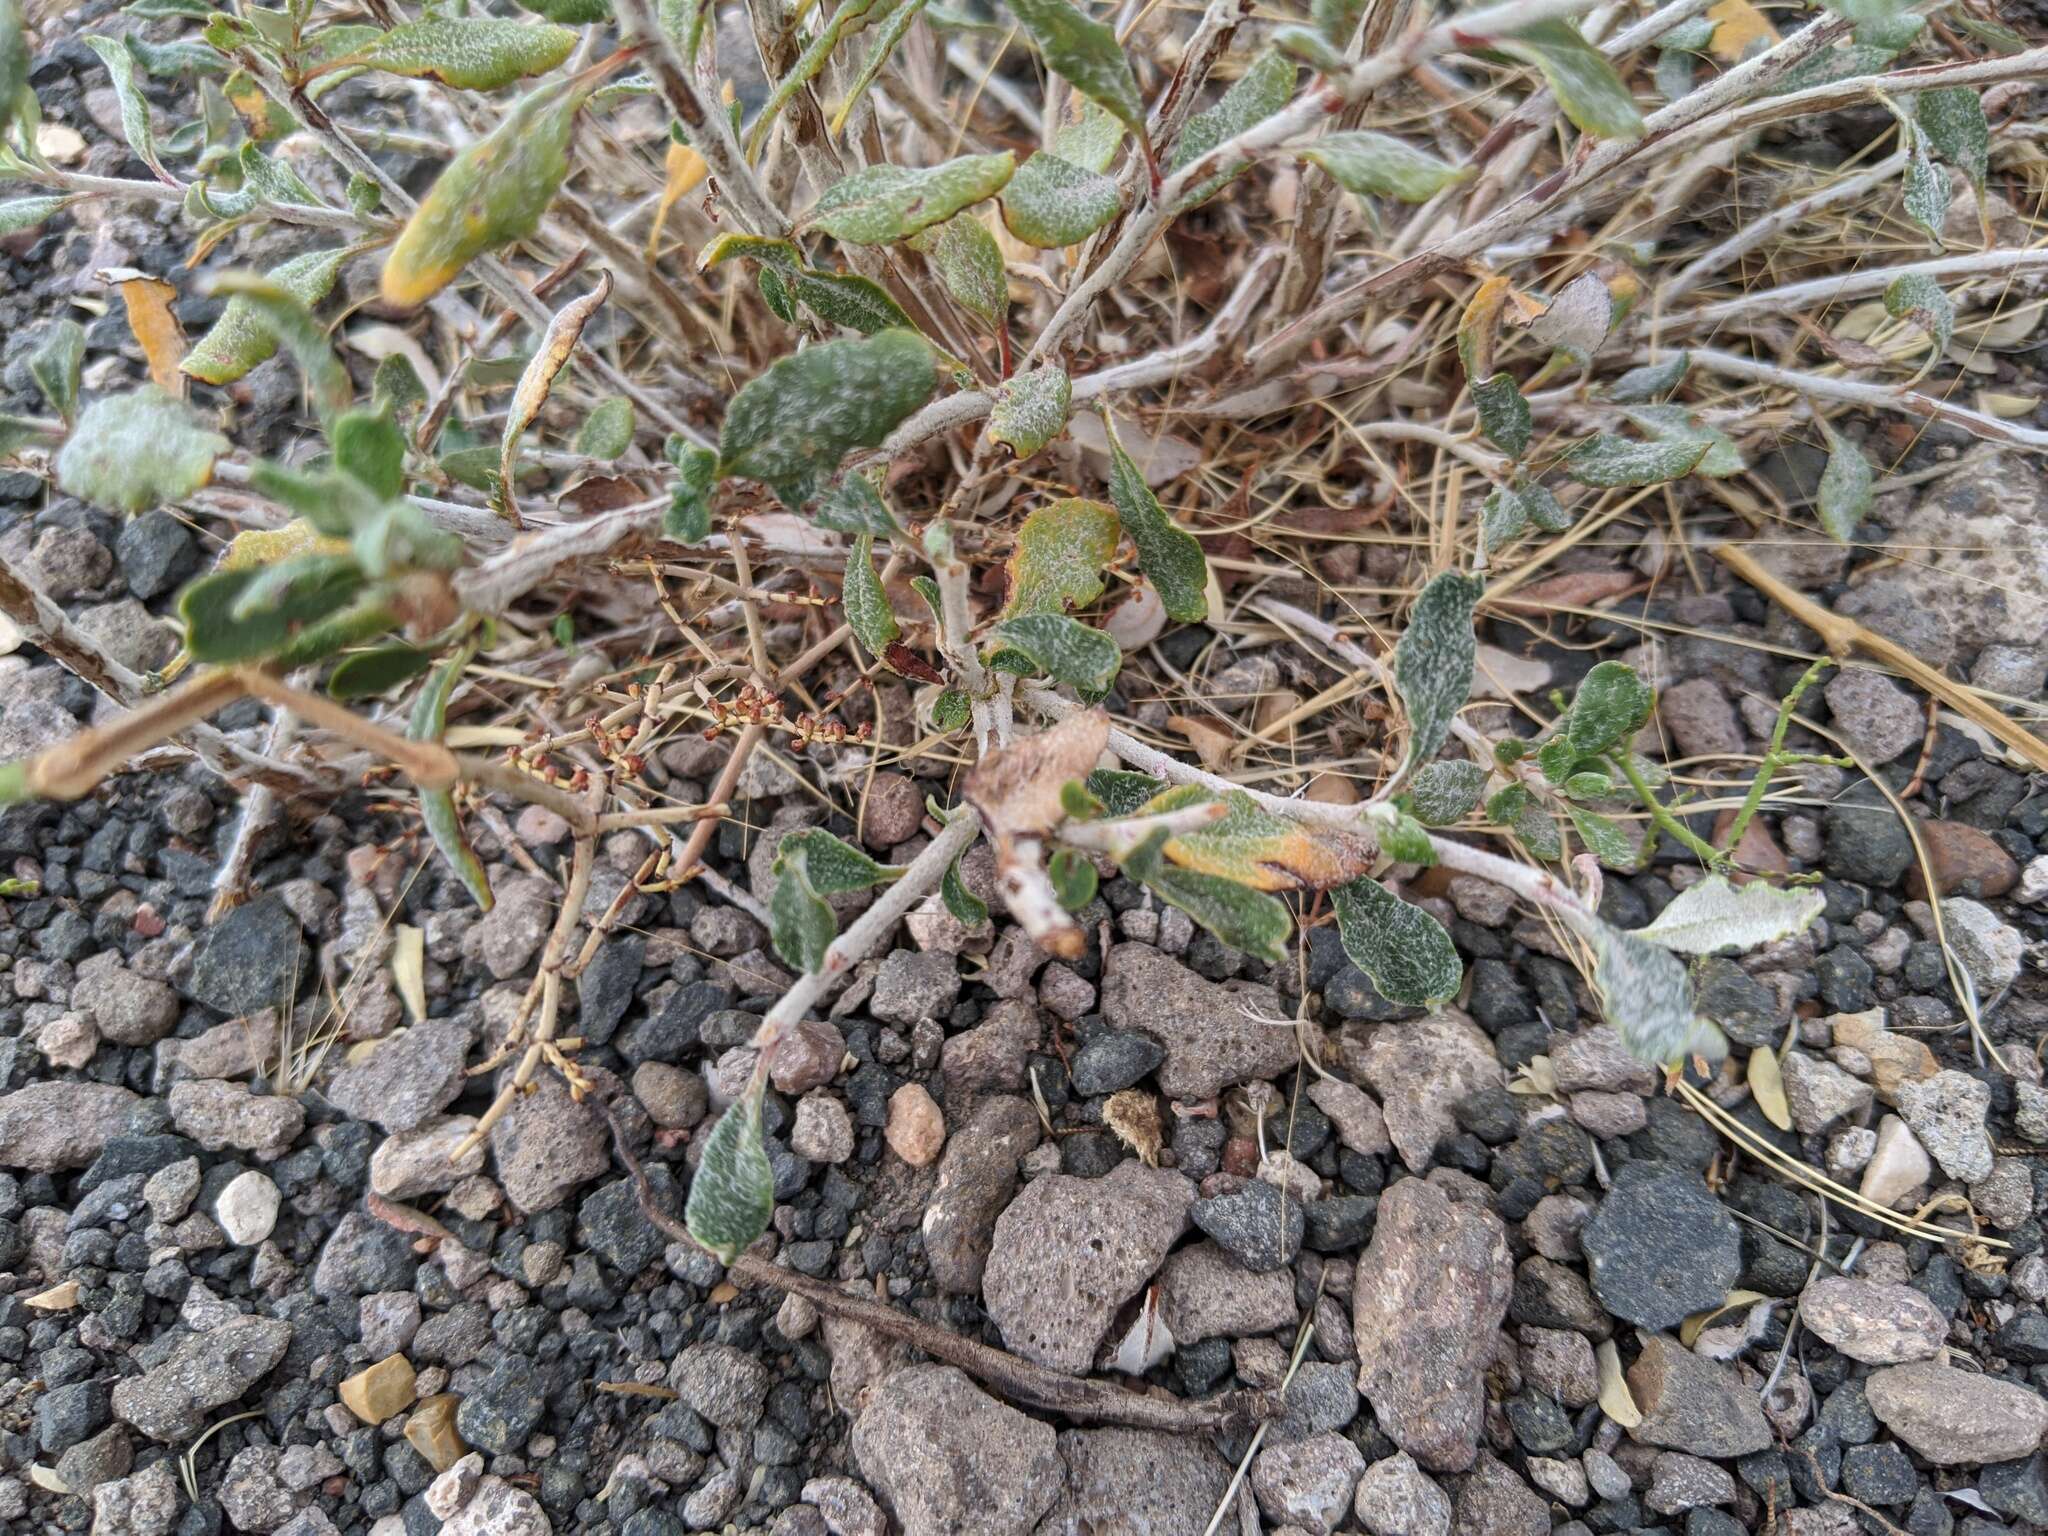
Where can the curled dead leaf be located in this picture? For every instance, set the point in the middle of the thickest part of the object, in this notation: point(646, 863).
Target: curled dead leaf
point(539, 378)
point(153, 324)
point(1017, 788)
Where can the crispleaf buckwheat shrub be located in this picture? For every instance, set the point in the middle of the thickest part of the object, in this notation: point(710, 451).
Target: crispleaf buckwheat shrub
point(890, 317)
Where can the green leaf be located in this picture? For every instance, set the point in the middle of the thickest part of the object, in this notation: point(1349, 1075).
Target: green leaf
point(1591, 94)
point(732, 1193)
point(688, 519)
point(607, 431)
point(800, 922)
point(1086, 55)
point(775, 289)
point(1337, 20)
point(135, 121)
point(1168, 554)
point(334, 503)
point(1611, 705)
point(851, 504)
point(472, 53)
point(15, 61)
point(1952, 121)
point(1716, 917)
point(1648, 999)
point(492, 193)
point(1238, 916)
point(1406, 841)
point(1263, 89)
point(1558, 759)
point(1604, 840)
point(55, 365)
point(833, 866)
point(1846, 488)
point(1031, 410)
point(216, 634)
point(1895, 33)
point(1121, 792)
point(1401, 947)
point(22, 213)
point(1834, 64)
point(572, 13)
point(1061, 552)
point(868, 612)
point(365, 674)
point(132, 452)
point(328, 385)
point(1503, 414)
point(1650, 381)
point(792, 425)
point(1090, 138)
point(1926, 190)
point(848, 299)
point(1444, 792)
point(369, 446)
point(1073, 878)
point(780, 254)
point(17, 432)
point(950, 711)
point(966, 907)
point(396, 387)
point(1917, 297)
point(1615, 461)
point(1536, 830)
point(883, 203)
point(970, 264)
point(1434, 661)
point(1380, 165)
point(1677, 424)
point(1505, 515)
point(1064, 649)
point(1052, 203)
point(1588, 785)
point(1311, 48)
point(1079, 802)
point(240, 338)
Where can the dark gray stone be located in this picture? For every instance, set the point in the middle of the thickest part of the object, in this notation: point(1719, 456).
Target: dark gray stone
point(1661, 1247)
point(1259, 1226)
point(249, 960)
point(1114, 1061)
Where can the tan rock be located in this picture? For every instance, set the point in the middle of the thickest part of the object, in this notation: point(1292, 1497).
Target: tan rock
point(431, 1431)
point(380, 1391)
point(1894, 1059)
point(916, 1129)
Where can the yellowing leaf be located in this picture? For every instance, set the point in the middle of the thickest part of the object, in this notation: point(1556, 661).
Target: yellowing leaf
point(1738, 28)
point(256, 547)
point(240, 339)
point(684, 169)
point(1477, 325)
point(539, 378)
point(408, 969)
point(1767, 1087)
point(1256, 848)
point(1062, 551)
point(155, 328)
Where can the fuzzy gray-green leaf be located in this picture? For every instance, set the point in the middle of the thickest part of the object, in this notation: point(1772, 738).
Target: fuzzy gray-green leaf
point(471, 53)
point(1065, 649)
point(1444, 792)
point(1648, 999)
point(1717, 917)
point(732, 1193)
point(1607, 461)
point(1401, 947)
point(1650, 380)
point(846, 298)
point(1592, 95)
point(55, 363)
point(966, 907)
point(792, 425)
point(1952, 120)
point(132, 452)
point(1380, 165)
point(1677, 424)
point(1611, 705)
point(1239, 916)
point(868, 612)
point(1084, 53)
point(241, 338)
point(1263, 89)
point(1032, 410)
point(1917, 297)
point(800, 923)
point(1504, 415)
point(883, 203)
point(607, 431)
point(136, 127)
point(22, 213)
point(833, 866)
point(1168, 554)
point(970, 264)
point(1927, 190)
point(1051, 203)
point(1434, 661)
point(1846, 495)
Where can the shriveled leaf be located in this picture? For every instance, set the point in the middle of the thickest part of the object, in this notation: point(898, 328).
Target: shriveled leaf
point(607, 431)
point(557, 344)
point(1257, 848)
point(790, 426)
point(1577, 320)
point(1263, 89)
point(1478, 324)
point(1063, 648)
point(1604, 839)
point(365, 674)
point(471, 53)
point(1062, 551)
point(683, 171)
point(1017, 788)
point(1588, 90)
point(437, 806)
point(1846, 491)
point(492, 193)
point(1612, 704)
point(884, 203)
point(1607, 461)
point(1434, 661)
point(1767, 1086)
point(1916, 297)
point(868, 612)
point(55, 365)
point(1952, 122)
point(1380, 165)
point(1616, 1401)
point(136, 126)
point(1242, 918)
point(1168, 554)
point(1647, 997)
point(1084, 53)
point(966, 907)
point(1504, 415)
point(732, 1193)
point(1052, 203)
point(1032, 410)
point(1444, 792)
point(1676, 424)
point(240, 339)
point(688, 519)
point(970, 264)
point(132, 452)
point(1717, 917)
point(1401, 947)
point(1650, 380)
point(1927, 190)
point(20, 213)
